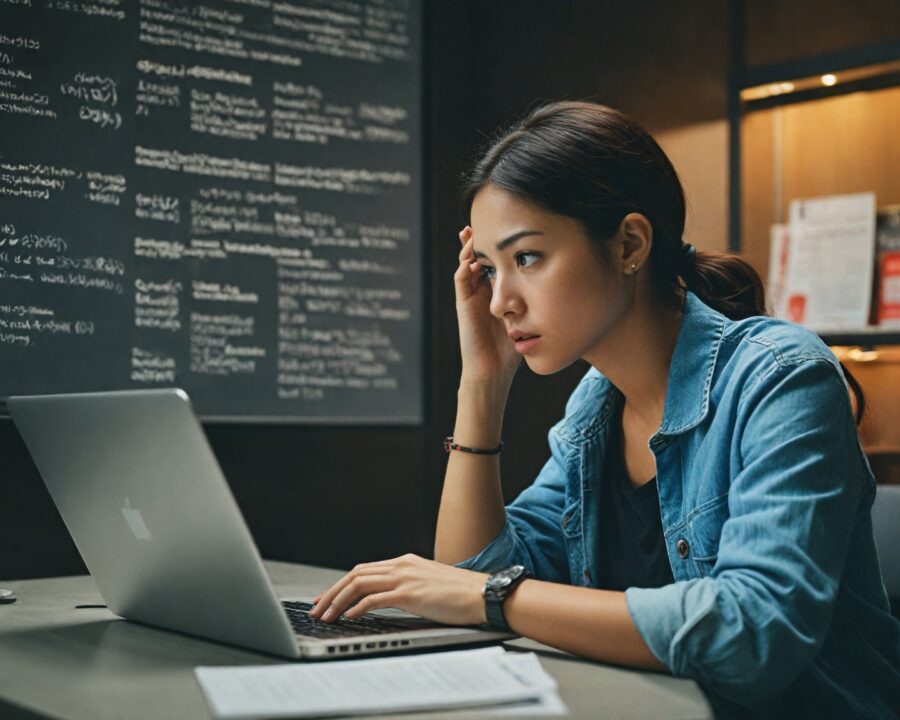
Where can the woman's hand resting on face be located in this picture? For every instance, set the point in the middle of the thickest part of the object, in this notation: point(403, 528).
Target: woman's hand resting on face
point(439, 592)
point(487, 352)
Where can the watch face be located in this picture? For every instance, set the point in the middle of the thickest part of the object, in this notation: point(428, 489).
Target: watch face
point(500, 581)
point(502, 578)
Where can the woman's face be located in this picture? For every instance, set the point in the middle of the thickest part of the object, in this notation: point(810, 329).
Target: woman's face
point(558, 300)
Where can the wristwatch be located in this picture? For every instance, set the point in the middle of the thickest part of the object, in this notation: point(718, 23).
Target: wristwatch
point(498, 586)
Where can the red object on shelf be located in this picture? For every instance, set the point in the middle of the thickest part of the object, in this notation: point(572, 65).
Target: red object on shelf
point(888, 277)
point(889, 288)
point(796, 308)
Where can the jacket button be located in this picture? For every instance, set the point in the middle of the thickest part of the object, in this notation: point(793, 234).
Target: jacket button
point(683, 548)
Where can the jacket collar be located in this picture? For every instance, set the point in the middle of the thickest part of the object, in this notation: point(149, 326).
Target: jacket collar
point(691, 368)
point(689, 384)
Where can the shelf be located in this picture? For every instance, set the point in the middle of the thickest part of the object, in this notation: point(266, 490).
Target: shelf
point(866, 337)
point(833, 62)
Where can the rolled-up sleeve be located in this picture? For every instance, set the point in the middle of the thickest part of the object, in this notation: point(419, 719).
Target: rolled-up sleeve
point(532, 535)
point(750, 627)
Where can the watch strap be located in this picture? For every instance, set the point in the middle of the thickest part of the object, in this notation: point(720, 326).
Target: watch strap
point(493, 611)
point(494, 598)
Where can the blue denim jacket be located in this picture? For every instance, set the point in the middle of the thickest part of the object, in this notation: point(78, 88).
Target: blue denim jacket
point(765, 494)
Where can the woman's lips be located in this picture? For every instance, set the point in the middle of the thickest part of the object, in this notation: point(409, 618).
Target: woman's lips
point(526, 344)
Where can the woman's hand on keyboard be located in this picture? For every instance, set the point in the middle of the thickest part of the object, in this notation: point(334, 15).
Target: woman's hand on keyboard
point(442, 593)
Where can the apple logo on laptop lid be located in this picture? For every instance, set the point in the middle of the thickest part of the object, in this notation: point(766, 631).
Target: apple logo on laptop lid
point(135, 521)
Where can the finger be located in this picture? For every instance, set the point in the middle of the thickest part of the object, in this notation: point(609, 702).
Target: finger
point(326, 598)
point(373, 579)
point(467, 253)
point(357, 590)
point(463, 280)
point(478, 279)
point(465, 234)
point(463, 272)
point(376, 601)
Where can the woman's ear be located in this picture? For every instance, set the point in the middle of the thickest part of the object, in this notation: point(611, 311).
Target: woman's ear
point(636, 234)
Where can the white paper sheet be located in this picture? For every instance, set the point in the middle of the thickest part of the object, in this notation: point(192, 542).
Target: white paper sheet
point(456, 679)
point(528, 667)
point(831, 260)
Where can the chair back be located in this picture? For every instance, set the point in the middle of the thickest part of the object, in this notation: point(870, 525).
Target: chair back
point(886, 526)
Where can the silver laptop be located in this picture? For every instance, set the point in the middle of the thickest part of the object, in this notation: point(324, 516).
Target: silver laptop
point(142, 495)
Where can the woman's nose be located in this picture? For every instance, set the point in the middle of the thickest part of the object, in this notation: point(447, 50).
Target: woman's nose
point(505, 298)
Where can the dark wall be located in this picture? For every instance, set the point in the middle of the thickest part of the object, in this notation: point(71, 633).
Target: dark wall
point(664, 63)
point(337, 496)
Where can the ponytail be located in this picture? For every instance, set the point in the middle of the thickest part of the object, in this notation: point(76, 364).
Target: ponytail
point(726, 283)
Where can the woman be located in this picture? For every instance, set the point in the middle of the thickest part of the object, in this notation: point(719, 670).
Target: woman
point(705, 509)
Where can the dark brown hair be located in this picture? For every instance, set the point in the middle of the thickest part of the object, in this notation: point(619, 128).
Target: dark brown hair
point(596, 165)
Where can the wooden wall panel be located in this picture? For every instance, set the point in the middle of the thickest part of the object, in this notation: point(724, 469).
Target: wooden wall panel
point(699, 153)
point(757, 187)
point(845, 144)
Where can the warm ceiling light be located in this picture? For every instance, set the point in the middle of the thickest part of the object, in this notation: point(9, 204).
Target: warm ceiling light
point(829, 79)
point(787, 87)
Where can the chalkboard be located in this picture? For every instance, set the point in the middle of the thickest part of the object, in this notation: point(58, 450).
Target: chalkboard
point(223, 196)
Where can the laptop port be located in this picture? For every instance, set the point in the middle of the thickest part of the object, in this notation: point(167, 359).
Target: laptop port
point(345, 648)
point(357, 646)
point(331, 650)
point(382, 644)
point(370, 645)
point(404, 642)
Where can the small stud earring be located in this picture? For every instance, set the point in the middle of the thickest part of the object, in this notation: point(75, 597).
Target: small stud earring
point(633, 268)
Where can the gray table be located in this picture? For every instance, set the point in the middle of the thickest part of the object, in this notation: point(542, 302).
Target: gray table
point(58, 661)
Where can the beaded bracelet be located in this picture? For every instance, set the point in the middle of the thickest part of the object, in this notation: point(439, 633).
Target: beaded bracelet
point(450, 445)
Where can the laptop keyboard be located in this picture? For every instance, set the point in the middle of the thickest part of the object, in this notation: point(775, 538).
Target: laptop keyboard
point(303, 624)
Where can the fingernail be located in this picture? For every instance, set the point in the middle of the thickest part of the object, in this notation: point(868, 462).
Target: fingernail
point(328, 613)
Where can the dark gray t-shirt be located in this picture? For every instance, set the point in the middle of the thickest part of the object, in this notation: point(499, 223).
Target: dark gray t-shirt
point(632, 545)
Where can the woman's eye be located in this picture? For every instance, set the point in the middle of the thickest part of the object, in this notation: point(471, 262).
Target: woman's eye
point(487, 272)
point(526, 259)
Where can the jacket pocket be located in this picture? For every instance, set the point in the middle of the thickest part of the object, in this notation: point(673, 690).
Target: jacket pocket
point(571, 519)
point(705, 532)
